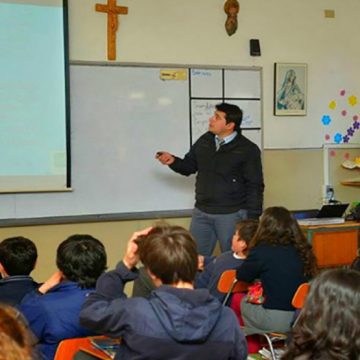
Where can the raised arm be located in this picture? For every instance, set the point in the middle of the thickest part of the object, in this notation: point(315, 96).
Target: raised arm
point(105, 310)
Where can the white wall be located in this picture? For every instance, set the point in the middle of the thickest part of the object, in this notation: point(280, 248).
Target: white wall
point(192, 32)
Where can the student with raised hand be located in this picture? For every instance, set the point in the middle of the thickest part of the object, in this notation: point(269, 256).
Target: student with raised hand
point(176, 321)
point(210, 267)
point(229, 181)
point(328, 327)
point(229, 260)
point(280, 256)
point(53, 310)
point(18, 257)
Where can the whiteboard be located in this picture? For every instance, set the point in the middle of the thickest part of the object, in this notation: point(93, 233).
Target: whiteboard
point(251, 112)
point(202, 110)
point(242, 84)
point(239, 87)
point(120, 117)
point(255, 135)
point(206, 83)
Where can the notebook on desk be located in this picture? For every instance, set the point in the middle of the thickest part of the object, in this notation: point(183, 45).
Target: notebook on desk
point(327, 215)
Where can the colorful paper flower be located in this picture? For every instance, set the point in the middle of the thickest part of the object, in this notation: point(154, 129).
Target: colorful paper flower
point(332, 105)
point(326, 119)
point(338, 138)
point(352, 100)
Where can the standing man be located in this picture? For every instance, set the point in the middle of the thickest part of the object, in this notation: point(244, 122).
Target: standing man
point(229, 183)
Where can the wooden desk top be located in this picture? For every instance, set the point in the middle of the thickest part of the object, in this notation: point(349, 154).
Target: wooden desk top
point(346, 224)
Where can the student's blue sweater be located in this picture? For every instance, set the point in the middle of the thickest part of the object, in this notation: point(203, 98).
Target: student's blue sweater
point(209, 278)
point(55, 316)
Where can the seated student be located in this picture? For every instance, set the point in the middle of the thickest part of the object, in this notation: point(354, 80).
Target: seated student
point(329, 324)
point(211, 267)
point(176, 321)
point(280, 256)
point(15, 339)
point(53, 310)
point(17, 259)
point(228, 260)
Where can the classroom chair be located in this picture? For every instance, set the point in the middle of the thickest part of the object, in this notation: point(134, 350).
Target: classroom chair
point(228, 284)
point(68, 348)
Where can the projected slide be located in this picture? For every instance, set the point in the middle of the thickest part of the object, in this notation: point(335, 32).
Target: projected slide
point(32, 96)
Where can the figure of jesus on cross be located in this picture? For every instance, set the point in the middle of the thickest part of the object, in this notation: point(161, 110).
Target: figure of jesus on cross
point(112, 24)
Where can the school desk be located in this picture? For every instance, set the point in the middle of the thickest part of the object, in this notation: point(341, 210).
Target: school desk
point(334, 245)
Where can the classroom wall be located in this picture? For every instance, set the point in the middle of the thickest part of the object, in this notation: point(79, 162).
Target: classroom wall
point(293, 178)
point(192, 32)
point(113, 234)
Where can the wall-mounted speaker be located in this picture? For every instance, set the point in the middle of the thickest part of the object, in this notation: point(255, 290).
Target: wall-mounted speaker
point(255, 47)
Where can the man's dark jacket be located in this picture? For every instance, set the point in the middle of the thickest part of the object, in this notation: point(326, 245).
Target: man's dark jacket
point(227, 180)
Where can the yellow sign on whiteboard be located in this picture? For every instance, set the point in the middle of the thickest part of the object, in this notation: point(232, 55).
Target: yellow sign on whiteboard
point(178, 74)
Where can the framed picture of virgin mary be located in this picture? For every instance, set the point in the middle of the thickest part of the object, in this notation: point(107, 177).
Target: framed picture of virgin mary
point(290, 89)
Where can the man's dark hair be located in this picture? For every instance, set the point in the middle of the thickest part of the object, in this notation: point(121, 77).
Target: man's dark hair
point(170, 253)
point(82, 259)
point(233, 113)
point(18, 255)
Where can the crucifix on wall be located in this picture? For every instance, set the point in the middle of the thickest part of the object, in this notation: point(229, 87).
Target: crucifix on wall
point(112, 11)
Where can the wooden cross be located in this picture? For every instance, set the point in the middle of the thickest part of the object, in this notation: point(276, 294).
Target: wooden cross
point(113, 23)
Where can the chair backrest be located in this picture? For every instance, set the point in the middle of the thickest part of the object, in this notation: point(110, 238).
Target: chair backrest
point(300, 295)
point(228, 284)
point(69, 347)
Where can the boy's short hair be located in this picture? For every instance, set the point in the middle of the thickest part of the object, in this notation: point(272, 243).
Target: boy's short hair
point(82, 259)
point(170, 253)
point(247, 229)
point(18, 255)
point(233, 114)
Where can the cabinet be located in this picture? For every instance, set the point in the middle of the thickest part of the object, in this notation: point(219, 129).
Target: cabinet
point(334, 245)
